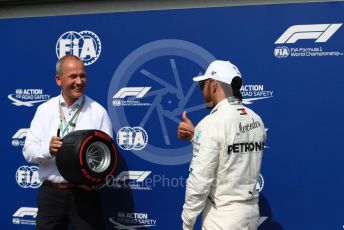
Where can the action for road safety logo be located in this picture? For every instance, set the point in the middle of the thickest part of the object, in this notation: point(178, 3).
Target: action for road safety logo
point(132, 220)
point(252, 93)
point(28, 97)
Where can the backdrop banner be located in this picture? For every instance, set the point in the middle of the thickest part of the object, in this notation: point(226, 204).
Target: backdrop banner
point(140, 67)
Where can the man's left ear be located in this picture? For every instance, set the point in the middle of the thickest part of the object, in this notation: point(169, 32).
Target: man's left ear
point(58, 80)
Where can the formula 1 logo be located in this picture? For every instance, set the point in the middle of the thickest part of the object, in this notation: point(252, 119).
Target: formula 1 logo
point(18, 137)
point(320, 32)
point(134, 180)
point(129, 138)
point(137, 92)
point(85, 44)
point(134, 93)
point(138, 176)
point(28, 212)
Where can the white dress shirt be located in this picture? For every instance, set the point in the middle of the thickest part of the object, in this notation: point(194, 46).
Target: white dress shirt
point(45, 124)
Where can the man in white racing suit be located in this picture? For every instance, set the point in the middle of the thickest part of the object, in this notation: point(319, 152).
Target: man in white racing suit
point(227, 152)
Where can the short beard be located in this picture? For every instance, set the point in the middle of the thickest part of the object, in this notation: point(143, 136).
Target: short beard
point(209, 104)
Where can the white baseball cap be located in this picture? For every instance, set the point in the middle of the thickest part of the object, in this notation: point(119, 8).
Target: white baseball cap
point(223, 71)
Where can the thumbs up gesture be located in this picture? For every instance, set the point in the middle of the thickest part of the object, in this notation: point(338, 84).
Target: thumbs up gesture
point(186, 128)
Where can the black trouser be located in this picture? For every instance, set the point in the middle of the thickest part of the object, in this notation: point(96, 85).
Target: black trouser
point(57, 208)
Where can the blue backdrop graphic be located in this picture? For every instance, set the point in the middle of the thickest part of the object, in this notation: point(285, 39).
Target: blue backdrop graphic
point(140, 67)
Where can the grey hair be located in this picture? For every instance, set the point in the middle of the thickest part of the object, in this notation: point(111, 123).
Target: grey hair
point(60, 62)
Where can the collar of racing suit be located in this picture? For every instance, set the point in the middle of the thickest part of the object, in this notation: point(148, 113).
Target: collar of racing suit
point(230, 100)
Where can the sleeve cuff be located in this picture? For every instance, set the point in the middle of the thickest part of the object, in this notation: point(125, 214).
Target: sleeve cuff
point(46, 153)
point(187, 227)
point(186, 222)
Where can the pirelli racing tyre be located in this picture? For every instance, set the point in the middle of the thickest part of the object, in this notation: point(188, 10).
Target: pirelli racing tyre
point(86, 157)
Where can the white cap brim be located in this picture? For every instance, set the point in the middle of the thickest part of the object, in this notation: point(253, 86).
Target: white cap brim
point(200, 78)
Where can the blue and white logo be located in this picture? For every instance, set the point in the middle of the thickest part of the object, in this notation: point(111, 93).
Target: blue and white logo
point(134, 180)
point(28, 177)
point(255, 92)
point(312, 39)
point(260, 184)
point(132, 220)
point(317, 32)
point(28, 97)
point(85, 44)
point(18, 139)
point(25, 216)
point(281, 52)
point(165, 67)
point(129, 138)
point(129, 96)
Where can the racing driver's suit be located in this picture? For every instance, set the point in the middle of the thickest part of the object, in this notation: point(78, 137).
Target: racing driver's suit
point(227, 152)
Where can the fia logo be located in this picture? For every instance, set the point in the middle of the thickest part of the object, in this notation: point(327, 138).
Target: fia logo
point(85, 44)
point(129, 138)
point(28, 177)
point(281, 52)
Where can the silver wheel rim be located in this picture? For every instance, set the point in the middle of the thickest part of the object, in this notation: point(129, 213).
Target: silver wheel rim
point(98, 157)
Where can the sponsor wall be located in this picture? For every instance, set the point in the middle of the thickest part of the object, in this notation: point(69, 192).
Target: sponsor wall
point(140, 67)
